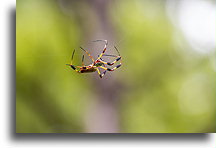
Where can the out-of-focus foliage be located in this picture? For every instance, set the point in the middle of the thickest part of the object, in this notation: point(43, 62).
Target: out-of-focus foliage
point(166, 89)
point(50, 96)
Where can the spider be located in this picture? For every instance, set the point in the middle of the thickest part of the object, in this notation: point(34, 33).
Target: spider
point(98, 63)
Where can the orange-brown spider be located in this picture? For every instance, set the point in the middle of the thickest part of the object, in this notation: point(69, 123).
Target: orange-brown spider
point(98, 63)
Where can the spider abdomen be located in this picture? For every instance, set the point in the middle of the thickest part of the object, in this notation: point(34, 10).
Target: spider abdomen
point(87, 70)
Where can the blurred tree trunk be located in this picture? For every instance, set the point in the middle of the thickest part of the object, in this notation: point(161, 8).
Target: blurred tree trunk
point(93, 17)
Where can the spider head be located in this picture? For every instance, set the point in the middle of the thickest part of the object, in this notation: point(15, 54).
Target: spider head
point(98, 64)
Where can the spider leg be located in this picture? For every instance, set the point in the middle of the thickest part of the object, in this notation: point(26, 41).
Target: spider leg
point(82, 60)
point(111, 63)
point(71, 64)
point(74, 67)
point(72, 57)
point(113, 55)
point(104, 71)
point(87, 53)
point(110, 69)
point(101, 74)
point(103, 49)
point(110, 55)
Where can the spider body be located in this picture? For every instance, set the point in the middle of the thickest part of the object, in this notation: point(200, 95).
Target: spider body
point(98, 63)
point(87, 69)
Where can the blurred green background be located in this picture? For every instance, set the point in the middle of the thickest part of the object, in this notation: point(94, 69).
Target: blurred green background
point(165, 85)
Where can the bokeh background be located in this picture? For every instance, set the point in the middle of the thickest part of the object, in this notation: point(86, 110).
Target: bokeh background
point(165, 85)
